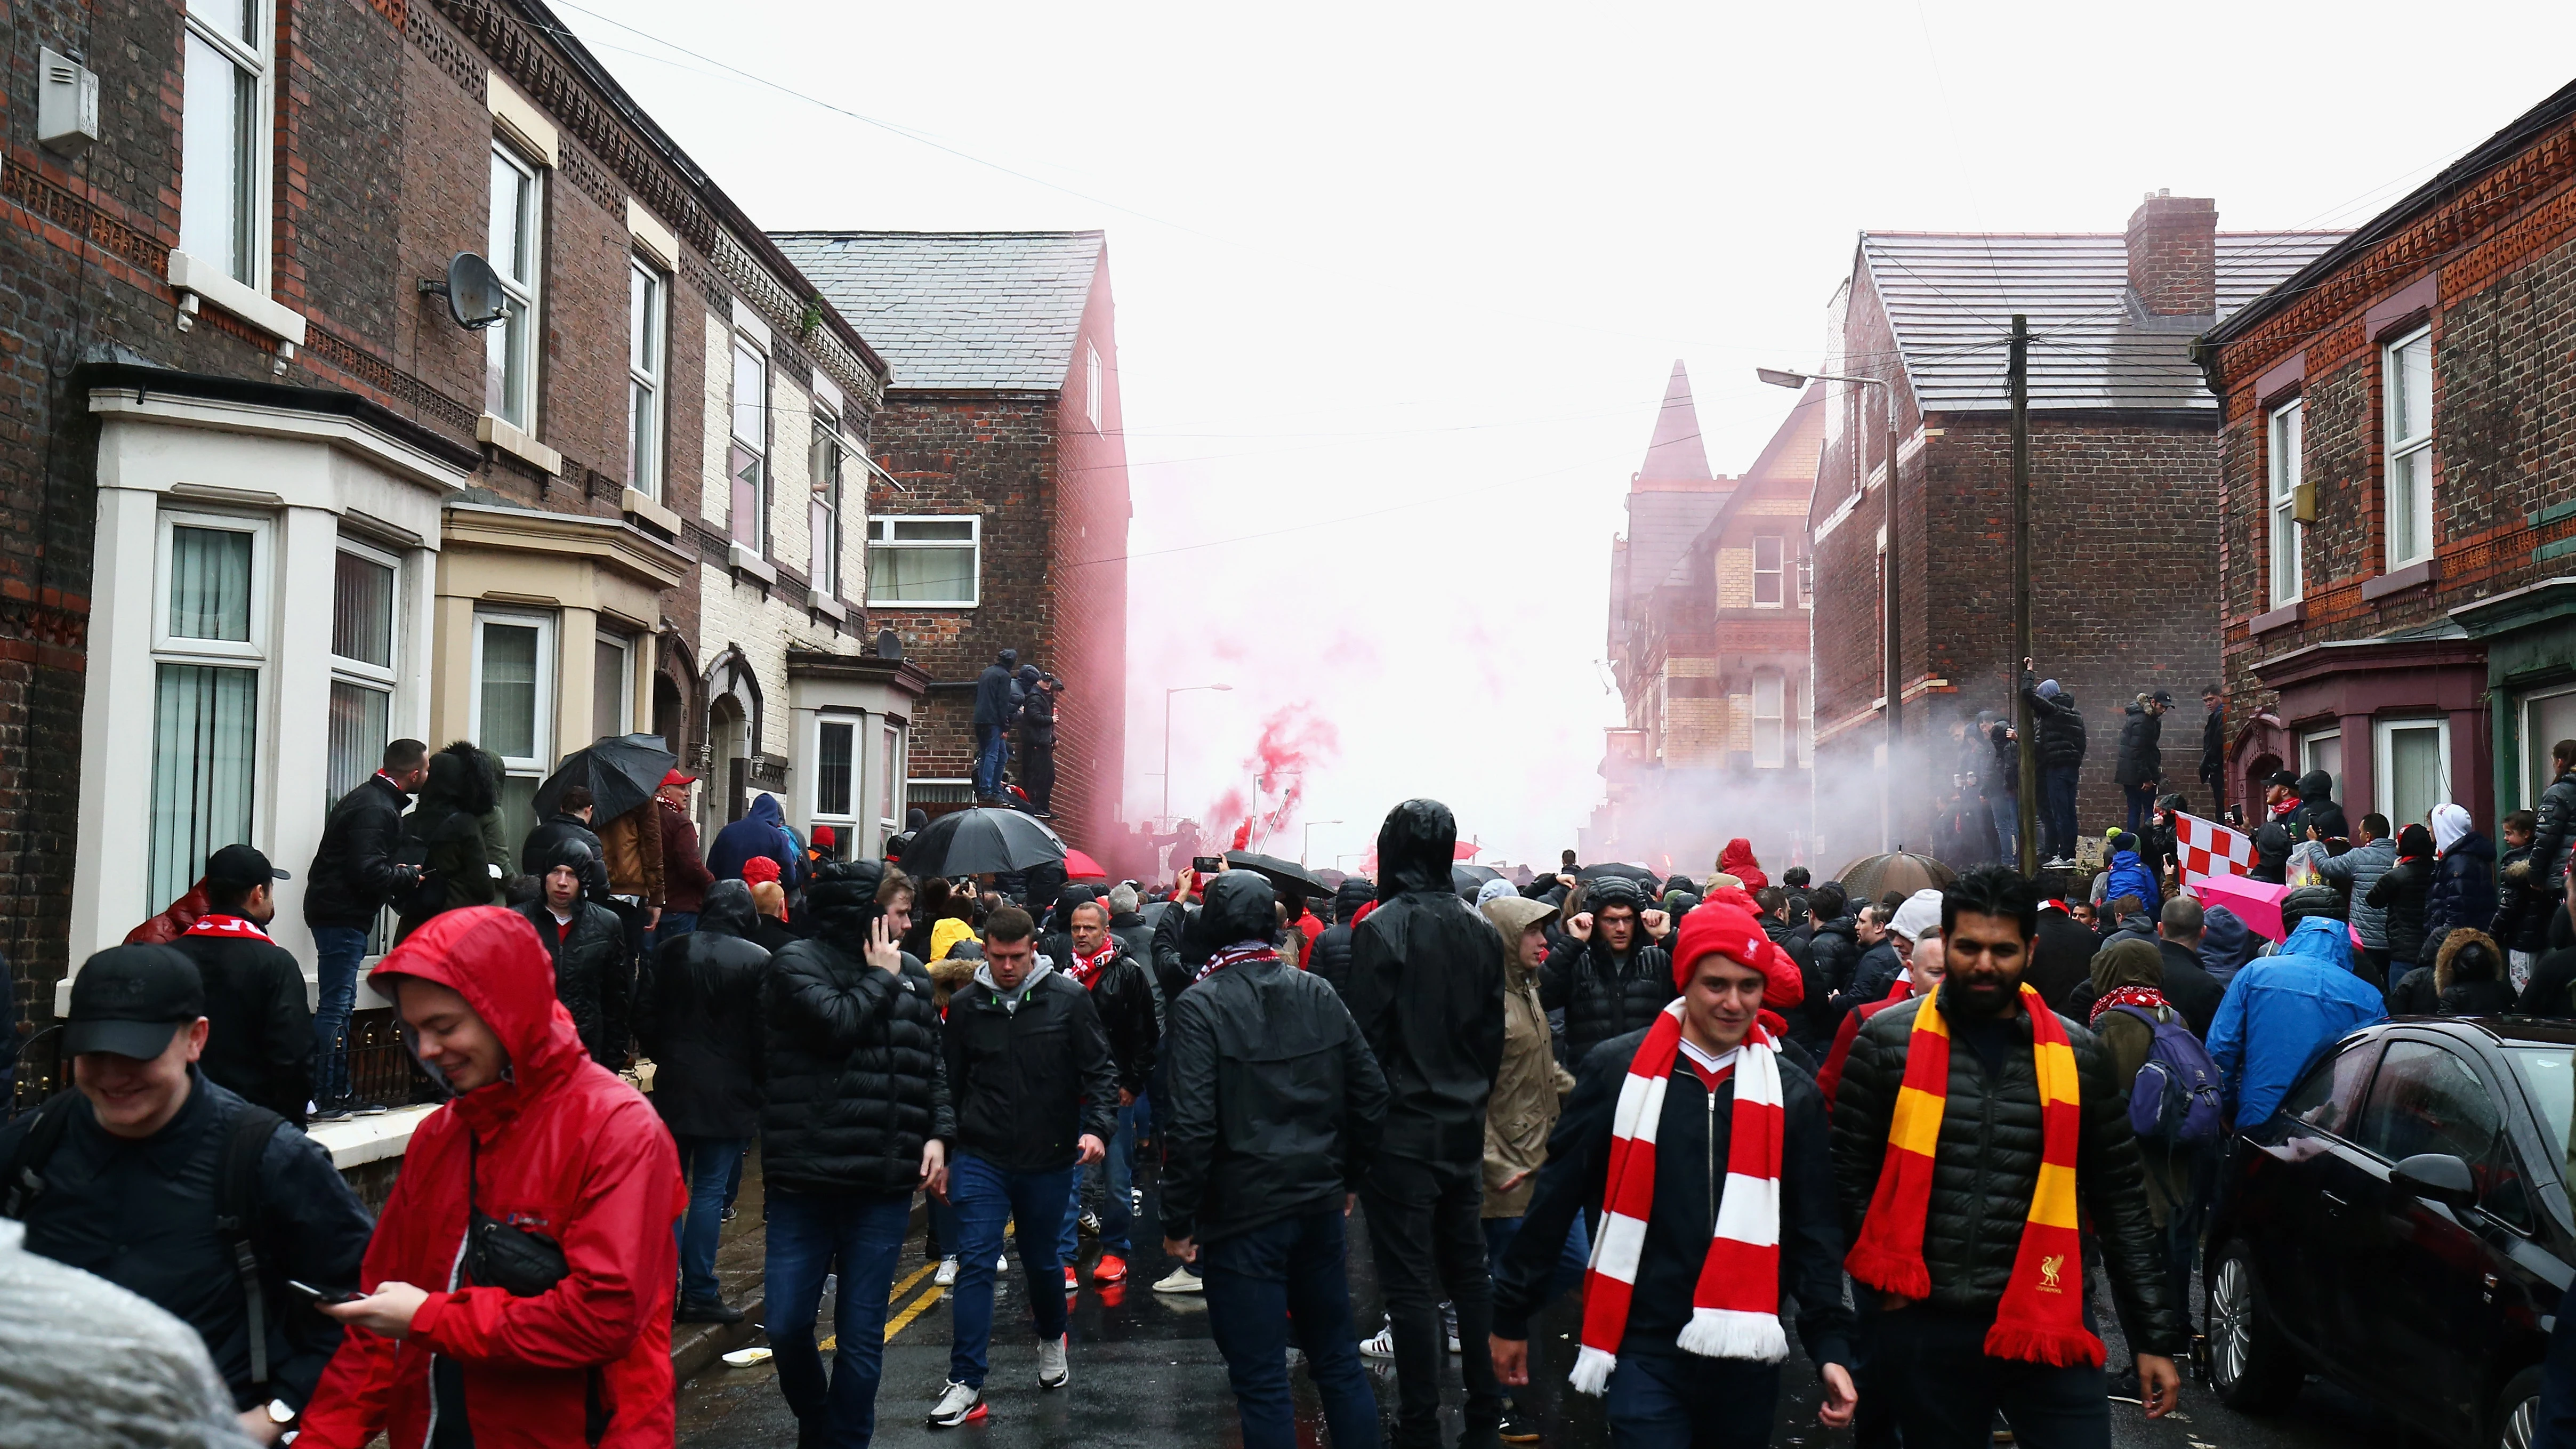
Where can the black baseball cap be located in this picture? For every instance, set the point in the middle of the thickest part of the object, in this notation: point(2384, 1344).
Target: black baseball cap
point(130, 999)
point(2163, 696)
point(2282, 778)
point(241, 865)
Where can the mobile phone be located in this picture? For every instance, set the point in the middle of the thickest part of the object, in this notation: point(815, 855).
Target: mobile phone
point(319, 1296)
point(1207, 864)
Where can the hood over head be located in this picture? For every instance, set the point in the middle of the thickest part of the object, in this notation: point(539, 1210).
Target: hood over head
point(1725, 929)
point(2316, 785)
point(1513, 914)
point(2450, 822)
point(1354, 892)
point(1495, 889)
point(1238, 906)
point(1008, 658)
point(2312, 900)
point(2414, 843)
point(764, 808)
point(2048, 689)
point(491, 956)
point(2226, 942)
point(477, 787)
point(842, 899)
point(1415, 848)
point(2169, 802)
point(2467, 956)
point(728, 910)
point(1737, 860)
point(2127, 963)
point(564, 851)
point(2322, 939)
point(1919, 917)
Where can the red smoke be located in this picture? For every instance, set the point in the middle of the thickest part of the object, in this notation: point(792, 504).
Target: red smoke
point(1294, 740)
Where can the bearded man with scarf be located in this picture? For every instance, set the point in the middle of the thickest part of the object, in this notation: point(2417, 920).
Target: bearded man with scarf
point(1131, 1013)
point(1681, 1327)
point(1975, 1131)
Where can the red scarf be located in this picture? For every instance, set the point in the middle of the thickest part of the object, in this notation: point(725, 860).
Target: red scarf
point(1735, 1309)
point(1086, 969)
point(1235, 955)
point(2146, 996)
point(232, 926)
point(2041, 1317)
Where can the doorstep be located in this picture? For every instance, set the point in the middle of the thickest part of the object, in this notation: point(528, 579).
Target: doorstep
point(357, 1141)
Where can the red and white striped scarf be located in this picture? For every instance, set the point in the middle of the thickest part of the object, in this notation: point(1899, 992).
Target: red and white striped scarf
point(212, 924)
point(1086, 969)
point(1735, 1310)
point(1236, 955)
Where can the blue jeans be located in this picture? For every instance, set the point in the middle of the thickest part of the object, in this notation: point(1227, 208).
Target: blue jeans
point(2557, 1426)
point(2142, 802)
point(1116, 1173)
point(1683, 1401)
point(992, 754)
point(675, 924)
point(1570, 1263)
point(985, 1197)
point(337, 950)
point(1287, 1276)
point(706, 1162)
point(2007, 811)
point(2059, 816)
point(811, 1234)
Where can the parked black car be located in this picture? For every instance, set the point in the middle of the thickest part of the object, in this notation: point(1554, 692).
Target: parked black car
point(2402, 1226)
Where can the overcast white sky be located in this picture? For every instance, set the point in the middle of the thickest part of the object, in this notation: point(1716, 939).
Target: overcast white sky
point(1398, 285)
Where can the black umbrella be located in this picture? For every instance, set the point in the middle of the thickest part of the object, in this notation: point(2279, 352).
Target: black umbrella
point(620, 772)
point(1873, 876)
point(1288, 876)
point(1469, 879)
point(1636, 873)
point(982, 841)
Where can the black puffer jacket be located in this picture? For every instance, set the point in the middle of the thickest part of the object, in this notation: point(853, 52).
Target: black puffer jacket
point(2462, 896)
point(444, 836)
point(1987, 1165)
point(1601, 995)
point(2141, 753)
point(2521, 920)
point(553, 831)
point(1427, 990)
point(2401, 891)
point(2061, 727)
point(354, 872)
point(1874, 977)
point(698, 1018)
point(1331, 958)
point(856, 1079)
point(591, 977)
point(2317, 808)
point(1835, 946)
point(1030, 1075)
point(1176, 961)
point(1276, 1102)
point(2553, 836)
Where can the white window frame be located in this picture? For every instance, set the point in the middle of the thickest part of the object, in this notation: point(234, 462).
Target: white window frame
point(646, 377)
point(2534, 749)
point(1779, 720)
point(831, 452)
point(543, 736)
point(516, 349)
point(843, 822)
point(251, 228)
point(1779, 573)
point(744, 349)
point(2308, 742)
point(2383, 776)
point(2286, 437)
point(382, 679)
point(892, 793)
point(2414, 452)
point(262, 563)
point(1091, 384)
point(974, 540)
point(625, 648)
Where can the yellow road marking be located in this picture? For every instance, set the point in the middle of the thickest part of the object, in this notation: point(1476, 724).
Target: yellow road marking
point(905, 1286)
point(900, 1289)
point(903, 1320)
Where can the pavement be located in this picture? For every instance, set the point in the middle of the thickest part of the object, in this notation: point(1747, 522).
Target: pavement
point(1146, 1373)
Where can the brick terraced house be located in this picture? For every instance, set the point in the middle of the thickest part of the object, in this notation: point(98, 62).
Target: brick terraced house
point(2398, 548)
point(2124, 481)
point(999, 517)
point(272, 504)
point(1709, 646)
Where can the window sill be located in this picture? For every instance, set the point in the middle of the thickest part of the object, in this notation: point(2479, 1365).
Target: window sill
point(195, 279)
point(827, 606)
point(904, 606)
point(2293, 612)
point(2397, 581)
point(507, 437)
point(748, 561)
point(648, 511)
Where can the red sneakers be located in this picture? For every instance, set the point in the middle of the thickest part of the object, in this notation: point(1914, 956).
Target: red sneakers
point(1072, 1281)
point(1110, 1269)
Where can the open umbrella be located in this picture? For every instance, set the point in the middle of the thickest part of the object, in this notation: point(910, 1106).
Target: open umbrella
point(981, 841)
point(1288, 876)
point(1079, 866)
point(620, 772)
point(2256, 903)
point(1636, 873)
point(1469, 879)
point(1873, 876)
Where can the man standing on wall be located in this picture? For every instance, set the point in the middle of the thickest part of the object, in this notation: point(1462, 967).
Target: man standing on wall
point(1037, 738)
point(996, 702)
point(352, 877)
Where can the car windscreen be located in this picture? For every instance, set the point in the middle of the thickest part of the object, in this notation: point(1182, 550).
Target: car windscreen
point(2549, 1075)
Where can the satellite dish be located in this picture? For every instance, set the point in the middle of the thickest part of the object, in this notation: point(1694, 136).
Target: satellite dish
point(473, 292)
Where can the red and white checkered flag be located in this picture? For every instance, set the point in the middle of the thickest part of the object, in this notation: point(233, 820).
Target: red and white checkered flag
point(2208, 848)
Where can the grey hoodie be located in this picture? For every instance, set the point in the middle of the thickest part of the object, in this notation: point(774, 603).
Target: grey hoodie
point(1011, 999)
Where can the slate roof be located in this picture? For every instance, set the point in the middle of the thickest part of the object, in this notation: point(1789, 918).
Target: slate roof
point(1951, 298)
point(958, 309)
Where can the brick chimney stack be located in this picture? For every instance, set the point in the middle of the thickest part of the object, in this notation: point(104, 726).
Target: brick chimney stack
point(2173, 255)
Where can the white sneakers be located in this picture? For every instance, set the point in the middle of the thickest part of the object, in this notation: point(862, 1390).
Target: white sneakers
point(1054, 1370)
point(946, 1277)
point(958, 1404)
point(1380, 1344)
point(1180, 1280)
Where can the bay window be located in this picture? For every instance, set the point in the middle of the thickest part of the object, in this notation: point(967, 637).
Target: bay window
point(612, 685)
point(2408, 492)
point(223, 140)
point(209, 645)
point(514, 670)
point(362, 667)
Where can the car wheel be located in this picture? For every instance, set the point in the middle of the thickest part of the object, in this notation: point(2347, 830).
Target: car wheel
point(2517, 1412)
point(2249, 1366)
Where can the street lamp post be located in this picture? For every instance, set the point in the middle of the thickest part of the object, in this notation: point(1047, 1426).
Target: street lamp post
point(1309, 845)
point(1893, 666)
point(1167, 736)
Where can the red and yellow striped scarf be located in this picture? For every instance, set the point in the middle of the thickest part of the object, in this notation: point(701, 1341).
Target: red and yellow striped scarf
point(2041, 1317)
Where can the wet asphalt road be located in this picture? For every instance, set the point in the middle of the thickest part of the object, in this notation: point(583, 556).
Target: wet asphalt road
point(1146, 1373)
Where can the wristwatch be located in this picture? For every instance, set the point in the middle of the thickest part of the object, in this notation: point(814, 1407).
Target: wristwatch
point(281, 1412)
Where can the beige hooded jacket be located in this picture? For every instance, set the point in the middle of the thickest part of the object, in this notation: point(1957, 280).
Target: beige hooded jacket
point(1530, 1088)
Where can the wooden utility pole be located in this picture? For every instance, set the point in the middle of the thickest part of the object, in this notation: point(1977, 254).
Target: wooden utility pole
point(2019, 376)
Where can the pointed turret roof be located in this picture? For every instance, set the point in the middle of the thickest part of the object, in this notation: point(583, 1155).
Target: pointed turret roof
point(1676, 455)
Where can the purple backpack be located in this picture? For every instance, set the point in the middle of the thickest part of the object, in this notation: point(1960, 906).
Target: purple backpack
point(2176, 1097)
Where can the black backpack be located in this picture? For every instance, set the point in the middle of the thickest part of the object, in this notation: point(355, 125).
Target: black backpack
point(237, 1196)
